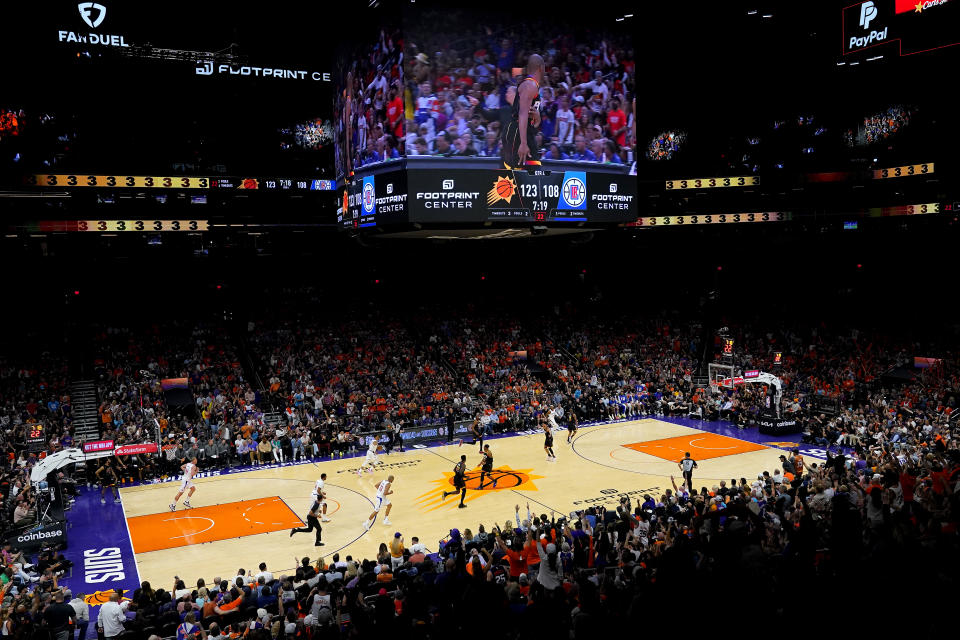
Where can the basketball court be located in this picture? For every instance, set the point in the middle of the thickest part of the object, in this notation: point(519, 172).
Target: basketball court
point(241, 519)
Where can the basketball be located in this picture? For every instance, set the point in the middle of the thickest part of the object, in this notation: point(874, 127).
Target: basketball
point(504, 189)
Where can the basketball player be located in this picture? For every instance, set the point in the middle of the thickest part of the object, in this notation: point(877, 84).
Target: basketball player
point(477, 430)
point(348, 123)
point(320, 496)
point(459, 482)
point(107, 477)
point(384, 489)
point(486, 466)
point(548, 441)
point(519, 138)
point(687, 465)
point(371, 460)
point(189, 470)
point(312, 521)
point(572, 427)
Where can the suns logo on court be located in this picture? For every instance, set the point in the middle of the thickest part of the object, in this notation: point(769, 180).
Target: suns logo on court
point(99, 597)
point(500, 479)
point(789, 445)
point(503, 189)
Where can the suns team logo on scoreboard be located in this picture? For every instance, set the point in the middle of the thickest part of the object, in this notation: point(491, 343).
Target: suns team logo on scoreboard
point(500, 479)
point(369, 196)
point(574, 190)
point(503, 189)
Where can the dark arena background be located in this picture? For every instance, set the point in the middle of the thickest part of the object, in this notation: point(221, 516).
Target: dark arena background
point(272, 270)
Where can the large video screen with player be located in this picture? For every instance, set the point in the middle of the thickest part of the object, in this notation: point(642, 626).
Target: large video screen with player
point(180, 88)
point(467, 71)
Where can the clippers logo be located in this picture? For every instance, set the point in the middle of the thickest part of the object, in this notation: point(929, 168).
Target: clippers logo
point(868, 11)
point(87, 8)
point(574, 190)
point(369, 196)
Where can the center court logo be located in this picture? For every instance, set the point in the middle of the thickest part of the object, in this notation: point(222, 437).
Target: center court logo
point(86, 11)
point(369, 198)
point(500, 479)
point(868, 11)
point(574, 190)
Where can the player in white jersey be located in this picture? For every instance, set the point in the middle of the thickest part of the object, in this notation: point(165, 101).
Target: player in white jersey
point(371, 460)
point(552, 415)
point(384, 489)
point(321, 497)
point(189, 470)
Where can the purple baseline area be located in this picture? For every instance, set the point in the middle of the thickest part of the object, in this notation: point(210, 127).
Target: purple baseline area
point(98, 544)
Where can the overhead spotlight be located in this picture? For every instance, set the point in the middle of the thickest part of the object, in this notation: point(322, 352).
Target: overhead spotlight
point(840, 64)
point(767, 15)
point(853, 64)
point(752, 12)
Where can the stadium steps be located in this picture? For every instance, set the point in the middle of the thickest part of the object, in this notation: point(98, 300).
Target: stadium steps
point(86, 415)
point(273, 418)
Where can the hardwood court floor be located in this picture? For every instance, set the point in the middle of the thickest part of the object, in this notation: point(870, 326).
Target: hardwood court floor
point(604, 462)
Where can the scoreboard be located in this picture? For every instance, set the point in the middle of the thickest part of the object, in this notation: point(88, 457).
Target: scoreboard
point(36, 437)
point(480, 191)
point(544, 194)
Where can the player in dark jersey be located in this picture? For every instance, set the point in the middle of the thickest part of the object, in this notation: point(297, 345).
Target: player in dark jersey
point(486, 466)
point(572, 424)
point(477, 430)
point(459, 482)
point(519, 137)
point(548, 441)
point(313, 520)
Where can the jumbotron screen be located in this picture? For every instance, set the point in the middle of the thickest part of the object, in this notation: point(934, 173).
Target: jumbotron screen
point(182, 88)
point(517, 119)
point(491, 118)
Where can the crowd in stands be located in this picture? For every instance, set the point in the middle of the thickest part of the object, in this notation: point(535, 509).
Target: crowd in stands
point(459, 90)
point(882, 125)
point(369, 108)
point(312, 135)
point(10, 122)
point(666, 145)
point(32, 392)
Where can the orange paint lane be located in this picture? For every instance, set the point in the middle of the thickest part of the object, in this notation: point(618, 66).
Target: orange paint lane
point(184, 527)
point(702, 446)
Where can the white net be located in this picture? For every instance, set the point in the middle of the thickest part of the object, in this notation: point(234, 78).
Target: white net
point(720, 376)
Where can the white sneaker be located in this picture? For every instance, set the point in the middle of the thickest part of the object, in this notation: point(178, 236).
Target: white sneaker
point(360, 472)
point(187, 504)
point(173, 506)
point(386, 521)
point(367, 524)
point(324, 519)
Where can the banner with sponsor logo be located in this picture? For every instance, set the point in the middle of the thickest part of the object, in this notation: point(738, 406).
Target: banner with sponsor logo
point(33, 539)
point(96, 446)
point(135, 449)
